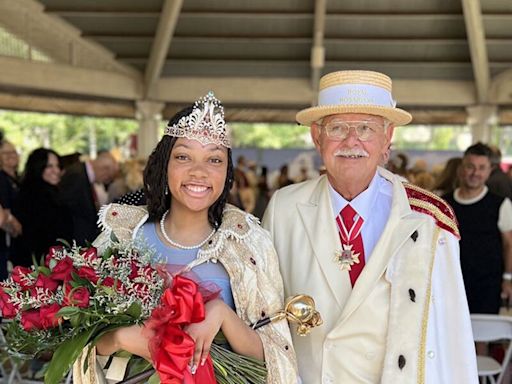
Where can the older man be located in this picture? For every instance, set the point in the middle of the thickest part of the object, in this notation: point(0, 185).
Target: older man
point(380, 257)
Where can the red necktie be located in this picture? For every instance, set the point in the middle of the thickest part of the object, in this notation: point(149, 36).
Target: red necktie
point(349, 228)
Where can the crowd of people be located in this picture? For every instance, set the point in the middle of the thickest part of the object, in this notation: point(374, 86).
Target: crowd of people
point(396, 258)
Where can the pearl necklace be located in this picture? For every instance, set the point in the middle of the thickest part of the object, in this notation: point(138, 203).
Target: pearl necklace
point(178, 245)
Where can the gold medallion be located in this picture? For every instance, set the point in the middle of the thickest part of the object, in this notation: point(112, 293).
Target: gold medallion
point(346, 257)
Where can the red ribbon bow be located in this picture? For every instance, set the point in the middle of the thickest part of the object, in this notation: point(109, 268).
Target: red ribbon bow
point(172, 348)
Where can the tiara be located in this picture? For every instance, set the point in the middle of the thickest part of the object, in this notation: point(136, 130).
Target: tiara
point(205, 123)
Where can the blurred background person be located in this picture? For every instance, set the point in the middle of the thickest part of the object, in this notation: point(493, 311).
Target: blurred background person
point(79, 193)
point(128, 181)
point(263, 193)
point(303, 175)
point(447, 180)
point(499, 183)
point(242, 190)
point(485, 222)
point(425, 180)
point(251, 173)
point(43, 216)
point(283, 179)
point(9, 188)
point(397, 164)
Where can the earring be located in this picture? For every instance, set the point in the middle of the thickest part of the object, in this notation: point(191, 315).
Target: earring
point(166, 190)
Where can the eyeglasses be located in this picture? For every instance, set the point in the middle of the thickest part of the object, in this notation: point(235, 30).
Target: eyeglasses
point(338, 130)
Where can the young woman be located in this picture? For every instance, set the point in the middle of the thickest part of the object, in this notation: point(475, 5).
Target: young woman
point(187, 182)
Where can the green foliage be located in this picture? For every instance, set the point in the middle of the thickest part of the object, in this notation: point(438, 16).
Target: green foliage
point(65, 355)
point(275, 136)
point(440, 137)
point(64, 133)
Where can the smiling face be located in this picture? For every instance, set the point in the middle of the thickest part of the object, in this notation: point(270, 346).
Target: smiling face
point(196, 174)
point(351, 161)
point(52, 172)
point(474, 172)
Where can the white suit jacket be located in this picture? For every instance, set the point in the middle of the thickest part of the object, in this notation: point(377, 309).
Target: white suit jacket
point(406, 320)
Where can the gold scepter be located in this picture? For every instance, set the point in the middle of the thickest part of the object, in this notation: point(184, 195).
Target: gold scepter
point(298, 309)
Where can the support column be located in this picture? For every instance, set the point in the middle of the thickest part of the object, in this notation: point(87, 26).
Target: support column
point(318, 49)
point(149, 115)
point(481, 119)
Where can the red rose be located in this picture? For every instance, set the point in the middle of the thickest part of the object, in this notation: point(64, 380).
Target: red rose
point(63, 269)
point(7, 309)
point(109, 282)
point(46, 282)
point(51, 254)
point(20, 276)
point(48, 314)
point(88, 273)
point(134, 271)
point(90, 254)
point(31, 319)
point(77, 297)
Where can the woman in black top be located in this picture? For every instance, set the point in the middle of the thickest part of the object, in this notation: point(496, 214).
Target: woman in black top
point(44, 219)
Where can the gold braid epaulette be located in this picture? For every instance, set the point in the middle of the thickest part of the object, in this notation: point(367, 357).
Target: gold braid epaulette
point(428, 203)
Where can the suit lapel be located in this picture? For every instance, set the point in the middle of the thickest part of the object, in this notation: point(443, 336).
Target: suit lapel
point(318, 220)
point(401, 224)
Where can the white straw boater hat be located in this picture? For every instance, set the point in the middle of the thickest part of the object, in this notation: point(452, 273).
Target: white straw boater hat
point(355, 92)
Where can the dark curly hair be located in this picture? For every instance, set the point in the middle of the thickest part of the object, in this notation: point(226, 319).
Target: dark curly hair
point(155, 179)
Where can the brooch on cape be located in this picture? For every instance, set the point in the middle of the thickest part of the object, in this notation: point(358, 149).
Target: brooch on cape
point(346, 257)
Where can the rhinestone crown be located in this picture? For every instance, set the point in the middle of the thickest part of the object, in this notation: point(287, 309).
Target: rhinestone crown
point(205, 123)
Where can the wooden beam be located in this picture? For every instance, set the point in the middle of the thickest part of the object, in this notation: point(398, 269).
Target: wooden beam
point(165, 31)
point(298, 93)
point(501, 88)
point(58, 79)
point(66, 79)
point(318, 49)
point(434, 93)
point(55, 37)
point(476, 39)
point(235, 90)
point(66, 106)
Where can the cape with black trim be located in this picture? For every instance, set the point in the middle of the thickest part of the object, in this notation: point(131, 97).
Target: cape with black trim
point(430, 204)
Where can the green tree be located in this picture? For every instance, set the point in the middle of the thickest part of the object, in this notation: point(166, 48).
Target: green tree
point(266, 135)
point(64, 133)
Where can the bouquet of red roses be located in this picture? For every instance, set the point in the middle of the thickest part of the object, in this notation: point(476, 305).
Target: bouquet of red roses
point(75, 297)
point(78, 295)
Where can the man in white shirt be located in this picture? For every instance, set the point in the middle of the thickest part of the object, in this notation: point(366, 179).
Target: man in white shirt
point(380, 257)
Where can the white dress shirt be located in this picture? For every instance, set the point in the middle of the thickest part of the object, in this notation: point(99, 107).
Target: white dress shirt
point(373, 205)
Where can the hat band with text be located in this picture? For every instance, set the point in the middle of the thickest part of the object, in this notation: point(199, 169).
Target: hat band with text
point(355, 94)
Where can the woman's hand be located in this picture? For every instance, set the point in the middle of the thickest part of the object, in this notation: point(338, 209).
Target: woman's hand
point(133, 339)
point(204, 332)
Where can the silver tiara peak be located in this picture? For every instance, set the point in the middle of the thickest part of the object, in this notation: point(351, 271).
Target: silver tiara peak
point(205, 123)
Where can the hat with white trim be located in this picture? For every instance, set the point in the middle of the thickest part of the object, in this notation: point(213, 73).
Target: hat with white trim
point(365, 92)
